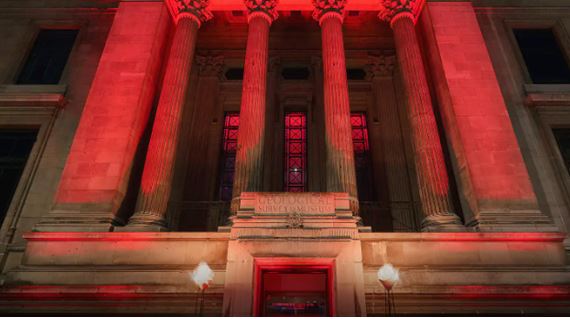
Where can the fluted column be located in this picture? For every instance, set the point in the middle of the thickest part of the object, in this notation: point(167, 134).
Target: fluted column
point(251, 134)
point(156, 181)
point(340, 172)
point(432, 174)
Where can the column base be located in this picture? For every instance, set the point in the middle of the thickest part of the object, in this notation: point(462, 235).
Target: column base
point(512, 220)
point(145, 222)
point(443, 223)
point(141, 228)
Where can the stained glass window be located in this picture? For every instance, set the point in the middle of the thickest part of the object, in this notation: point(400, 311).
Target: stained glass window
point(295, 152)
point(228, 159)
point(362, 160)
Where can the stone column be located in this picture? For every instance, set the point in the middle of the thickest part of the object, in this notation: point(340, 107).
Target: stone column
point(341, 176)
point(251, 135)
point(432, 174)
point(156, 181)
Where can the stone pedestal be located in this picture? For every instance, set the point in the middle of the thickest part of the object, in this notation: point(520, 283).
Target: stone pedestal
point(292, 229)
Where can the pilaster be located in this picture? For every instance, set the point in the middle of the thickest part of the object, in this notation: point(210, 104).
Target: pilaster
point(400, 202)
point(200, 172)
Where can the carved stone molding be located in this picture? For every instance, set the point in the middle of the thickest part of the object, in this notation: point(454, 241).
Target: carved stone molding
point(391, 10)
point(381, 65)
point(210, 65)
point(266, 8)
point(194, 9)
point(328, 7)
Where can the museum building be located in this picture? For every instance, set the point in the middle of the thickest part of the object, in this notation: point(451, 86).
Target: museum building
point(291, 147)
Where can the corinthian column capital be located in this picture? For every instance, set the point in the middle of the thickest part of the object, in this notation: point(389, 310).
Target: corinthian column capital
point(193, 9)
point(210, 65)
point(381, 65)
point(392, 10)
point(263, 8)
point(326, 8)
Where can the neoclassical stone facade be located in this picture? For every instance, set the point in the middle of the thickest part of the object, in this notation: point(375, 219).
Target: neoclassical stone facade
point(296, 146)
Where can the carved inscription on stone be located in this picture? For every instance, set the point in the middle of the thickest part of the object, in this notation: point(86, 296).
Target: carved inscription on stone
point(287, 203)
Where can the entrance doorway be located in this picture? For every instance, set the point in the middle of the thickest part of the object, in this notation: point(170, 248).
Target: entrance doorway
point(294, 290)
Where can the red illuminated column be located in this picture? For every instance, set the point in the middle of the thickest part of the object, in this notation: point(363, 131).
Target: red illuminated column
point(249, 158)
point(341, 175)
point(156, 181)
point(432, 174)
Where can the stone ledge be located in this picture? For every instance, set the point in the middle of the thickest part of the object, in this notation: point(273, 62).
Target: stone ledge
point(32, 95)
point(130, 236)
point(467, 236)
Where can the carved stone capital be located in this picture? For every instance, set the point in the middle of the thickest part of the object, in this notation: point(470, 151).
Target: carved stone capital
point(381, 65)
point(392, 10)
point(274, 64)
point(325, 8)
point(317, 62)
point(263, 8)
point(193, 9)
point(210, 65)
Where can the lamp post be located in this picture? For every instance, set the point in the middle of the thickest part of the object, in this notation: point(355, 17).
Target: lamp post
point(388, 276)
point(202, 276)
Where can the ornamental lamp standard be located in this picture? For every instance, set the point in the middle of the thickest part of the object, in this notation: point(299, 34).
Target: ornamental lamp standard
point(389, 276)
point(202, 276)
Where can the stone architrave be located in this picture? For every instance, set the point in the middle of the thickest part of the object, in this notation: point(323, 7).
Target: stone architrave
point(155, 189)
point(341, 176)
point(433, 179)
point(251, 134)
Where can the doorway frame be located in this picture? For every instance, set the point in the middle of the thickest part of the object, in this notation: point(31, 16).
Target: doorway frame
point(282, 263)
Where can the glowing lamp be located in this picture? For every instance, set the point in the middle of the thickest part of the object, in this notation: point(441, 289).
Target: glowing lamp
point(388, 276)
point(202, 275)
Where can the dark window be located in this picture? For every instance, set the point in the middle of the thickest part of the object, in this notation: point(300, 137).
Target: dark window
point(562, 136)
point(362, 161)
point(295, 151)
point(228, 158)
point(355, 74)
point(295, 73)
point(15, 147)
point(237, 13)
point(543, 56)
point(48, 57)
point(234, 74)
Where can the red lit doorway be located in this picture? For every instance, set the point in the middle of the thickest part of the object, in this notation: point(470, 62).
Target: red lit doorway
point(295, 288)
